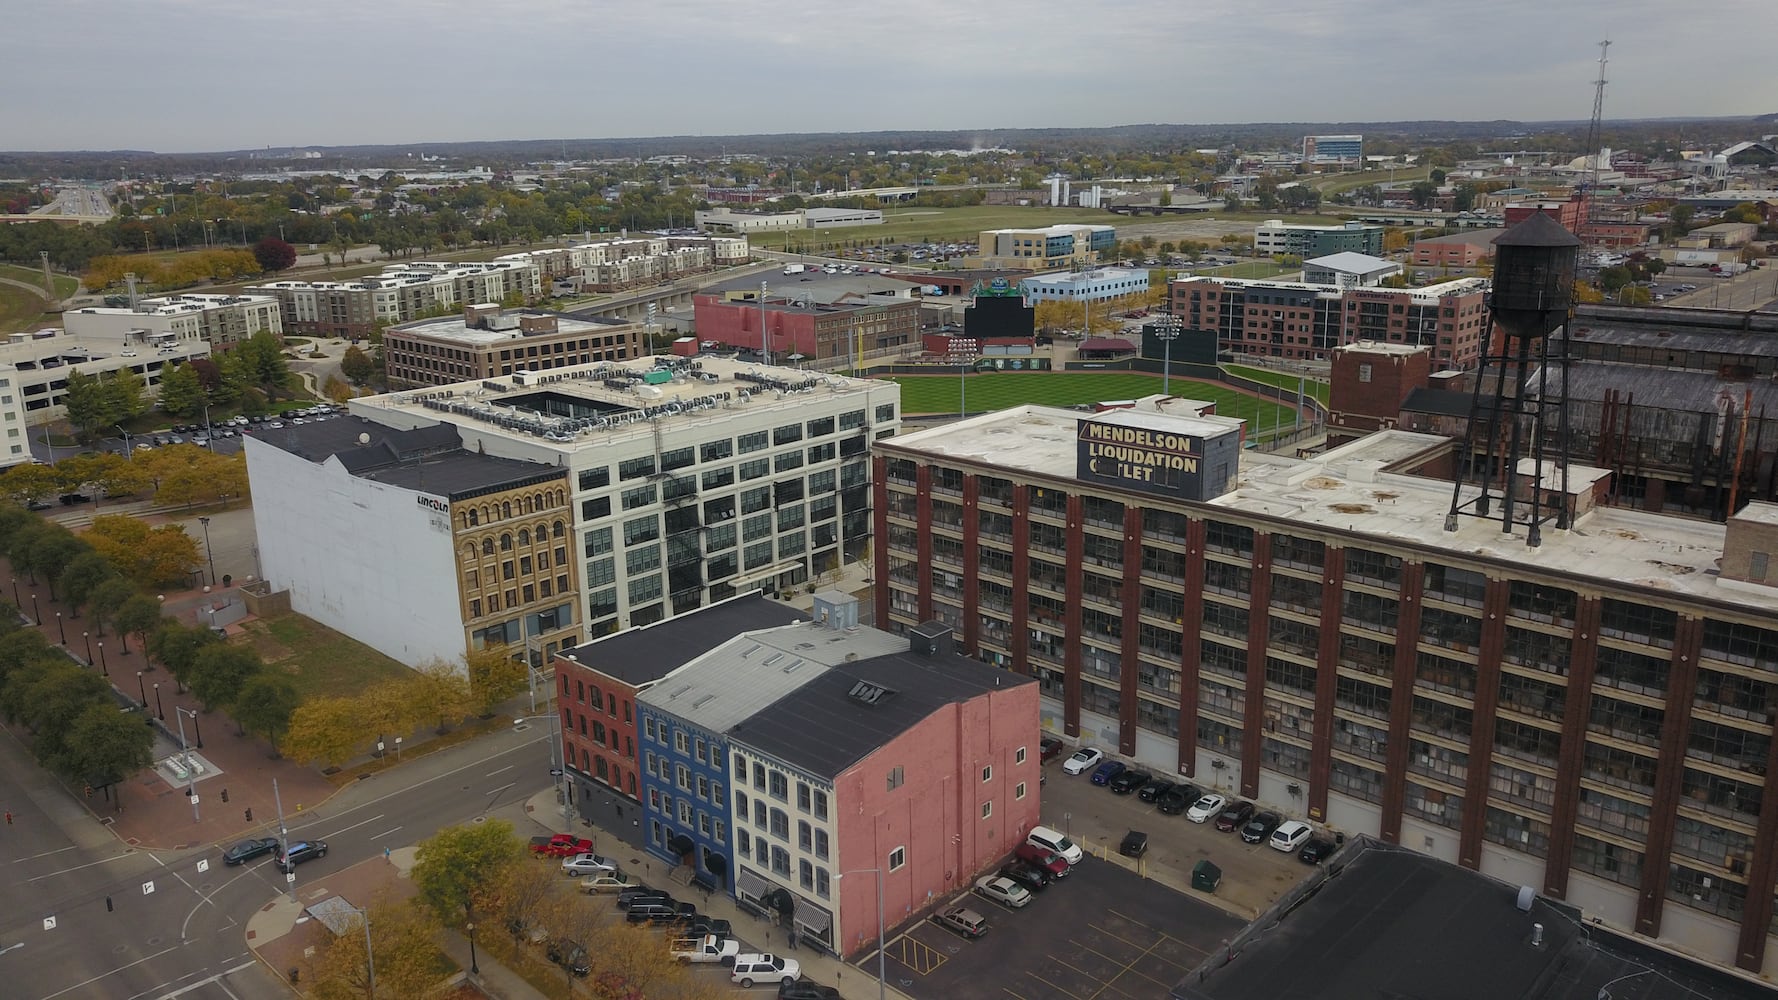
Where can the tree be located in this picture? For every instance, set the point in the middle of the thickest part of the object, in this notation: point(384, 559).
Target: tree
point(1438, 175)
point(1613, 278)
point(182, 394)
point(47, 696)
point(1423, 192)
point(440, 690)
point(138, 614)
point(263, 357)
point(152, 557)
point(265, 706)
point(27, 481)
point(274, 254)
point(325, 730)
point(53, 551)
point(458, 863)
point(86, 403)
point(388, 708)
point(404, 946)
point(107, 598)
point(494, 676)
point(218, 672)
point(83, 576)
point(336, 389)
point(123, 396)
point(356, 365)
point(104, 746)
point(520, 897)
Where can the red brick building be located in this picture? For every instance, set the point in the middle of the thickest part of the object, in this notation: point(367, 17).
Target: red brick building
point(1372, 381)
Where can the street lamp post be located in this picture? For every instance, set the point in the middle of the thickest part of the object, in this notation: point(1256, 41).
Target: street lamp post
point(882, 980)
point(142, 690)
point(207, 553)
point(102, 664)
point(191, 790)
point(17, 601)
point(89, 647)
point(36, 612)
point(62, 627)
point(474, 968)
point(160, 710)
point(1166, 330)
point(558, 757)
point(127, 453)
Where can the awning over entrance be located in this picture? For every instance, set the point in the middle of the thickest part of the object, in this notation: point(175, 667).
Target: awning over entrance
point(813, 918)
point(751, 885)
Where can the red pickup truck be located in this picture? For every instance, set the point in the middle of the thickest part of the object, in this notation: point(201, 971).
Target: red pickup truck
point(562, 845)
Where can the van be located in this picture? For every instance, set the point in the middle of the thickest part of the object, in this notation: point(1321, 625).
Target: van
point(1055, 842)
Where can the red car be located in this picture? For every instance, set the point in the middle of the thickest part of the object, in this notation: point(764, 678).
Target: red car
point(562, 845)
point(1038, 857)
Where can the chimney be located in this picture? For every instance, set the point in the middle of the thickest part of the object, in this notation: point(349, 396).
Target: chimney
point(930, 639)
point(537, 324)
point(475, 315)
point(1750, 544)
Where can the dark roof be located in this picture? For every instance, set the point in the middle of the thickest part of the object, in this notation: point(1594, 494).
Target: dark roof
point(428, 459)
point(1441, 402)
point(1663, 388)
point(1106, 344)
point(1396, 923)
point(831, 723)
point(1538, 230)
point(1677, 332)
point(643, 655)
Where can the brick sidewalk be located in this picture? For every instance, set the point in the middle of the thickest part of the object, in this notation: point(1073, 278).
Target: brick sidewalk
point(147, 809)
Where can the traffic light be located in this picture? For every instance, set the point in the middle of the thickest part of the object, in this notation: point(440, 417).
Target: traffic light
point(89, 791)
point(108, 906)
point(249, 815)
point(225, 795)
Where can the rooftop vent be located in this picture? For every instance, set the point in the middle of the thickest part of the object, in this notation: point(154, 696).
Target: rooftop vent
point(866, 693)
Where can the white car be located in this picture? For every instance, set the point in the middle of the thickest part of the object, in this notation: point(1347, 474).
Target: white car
point(1083, 759)
point(754, 967)
point(588, 864)
point(1289, 836)
point(605, 881)
point(1206, 807)
point(1003, 890)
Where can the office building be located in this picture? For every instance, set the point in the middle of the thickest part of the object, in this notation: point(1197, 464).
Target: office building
point(1277, 237)
point(412, 544)
point(848, 752)
point(1333, 149)
point(1591, 716)
point(1300, 321)
point(1100, 284)
point(486, 341)
point(810, 314)
point(1067, 245)
point(728, 220)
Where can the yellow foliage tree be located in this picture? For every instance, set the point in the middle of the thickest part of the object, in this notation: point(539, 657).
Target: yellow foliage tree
point(404, 942)
point(151, 557)
point(494, 675)
point(440, 690)
point(1585, 292)
point(325, 730)
point(388, 707)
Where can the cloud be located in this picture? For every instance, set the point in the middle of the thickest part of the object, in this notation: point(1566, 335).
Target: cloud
point(182, 75)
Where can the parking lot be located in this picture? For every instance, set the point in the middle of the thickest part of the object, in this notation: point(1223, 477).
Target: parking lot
point(1103, 931)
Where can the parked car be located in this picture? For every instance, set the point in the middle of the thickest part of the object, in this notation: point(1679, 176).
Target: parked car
point(1031, 877)
point(1049, 748)
point(1083, 758)
point(1056, 842)
point(569, 955)
point(710, 925)
point(562, 845)
point(661, 913)
point(802, 989)
point(1135, 844)
point(605, 882)
point(247, 850)
point(1260, 827)
point(1129, 781)
point(627, 898)
point(1291, 836)
point(588, 864)
point(962, 920)
point(1178, 799)
point(1207, 807)
point(1103, 774)
point(1047, 860)
point(704, 948)
point(1235, 816)
point(301, 851)
point(1003, 890)
point(761, 968)
point(1316, 850)
point(1156, 788)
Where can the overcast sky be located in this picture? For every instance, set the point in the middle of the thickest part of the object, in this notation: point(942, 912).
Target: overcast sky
point(204, 75)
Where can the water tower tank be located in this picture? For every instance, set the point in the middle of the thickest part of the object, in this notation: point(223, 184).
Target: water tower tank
point(1534, 264)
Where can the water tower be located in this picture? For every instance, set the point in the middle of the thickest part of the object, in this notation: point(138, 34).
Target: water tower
point(1533, 294)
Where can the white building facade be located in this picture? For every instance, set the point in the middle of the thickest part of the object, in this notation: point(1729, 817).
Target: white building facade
point(220, 321)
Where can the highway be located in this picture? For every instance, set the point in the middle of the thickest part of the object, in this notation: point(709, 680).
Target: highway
point(83, 915)
point(86, 203)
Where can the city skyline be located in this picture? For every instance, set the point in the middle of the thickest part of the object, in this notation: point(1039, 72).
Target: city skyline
point(216, 75)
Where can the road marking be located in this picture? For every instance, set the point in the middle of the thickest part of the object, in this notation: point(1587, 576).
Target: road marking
point(45, 854)
point(545, 738)
point(506, 768)
point(1054, 986)
point(385, 833)
point(217, 979)
point(113, 972)
point(10, 947)
point(502, 788)
point(355, 826)
point(76, 868)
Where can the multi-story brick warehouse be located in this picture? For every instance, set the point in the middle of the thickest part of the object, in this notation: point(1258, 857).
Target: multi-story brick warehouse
point(1290, 319)
point(1592, 717)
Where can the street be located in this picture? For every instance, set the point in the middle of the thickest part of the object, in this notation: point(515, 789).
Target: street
point(87, 915)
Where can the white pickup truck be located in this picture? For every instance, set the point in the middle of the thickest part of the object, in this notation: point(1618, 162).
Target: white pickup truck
point(708, 948)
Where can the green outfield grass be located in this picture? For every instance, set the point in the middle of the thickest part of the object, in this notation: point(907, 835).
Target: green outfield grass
point(950, 225)
point(1283, 380)
point(1000, 390)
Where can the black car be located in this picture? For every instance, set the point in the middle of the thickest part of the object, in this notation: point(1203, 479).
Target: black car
point(1260, 827)
point(641, 894)
point(1235, 816)
point(569, 955)
point(1178, 799)
point(38, 505)
point(1155, 789)
point(802, 989)
point(302, 850)
point(247, 850)
point(70, 499)
point(668, 912)
point(1129, 781)
point(1135, 844)
point(710, 925)
point(1032, 878)
point(1317, 850)
point(1049, 748)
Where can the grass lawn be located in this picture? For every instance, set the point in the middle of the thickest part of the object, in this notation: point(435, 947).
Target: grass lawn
point(319, 661)
point(916, 225)
point(1000, 390)
point(20, 310)
point(1332, 184)
point(1257, 269)
point(1283, 380)
point(66, 285)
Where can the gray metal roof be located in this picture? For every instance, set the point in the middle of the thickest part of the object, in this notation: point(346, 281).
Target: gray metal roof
point(1693, 391)
point(646, 653)
point(430, 459)
point(730, 683)
point(1675, 336)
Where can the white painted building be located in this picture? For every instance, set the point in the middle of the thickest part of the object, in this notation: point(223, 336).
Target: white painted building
point(218, 320)
point(1095, 285)
point(34, 371)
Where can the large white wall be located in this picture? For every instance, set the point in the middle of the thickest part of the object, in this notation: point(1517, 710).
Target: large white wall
point(361, 557)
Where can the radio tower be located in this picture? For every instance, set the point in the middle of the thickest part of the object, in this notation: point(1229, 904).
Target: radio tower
point(1593, 136)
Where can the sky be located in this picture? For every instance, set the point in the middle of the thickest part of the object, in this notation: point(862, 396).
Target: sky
point(211, 75)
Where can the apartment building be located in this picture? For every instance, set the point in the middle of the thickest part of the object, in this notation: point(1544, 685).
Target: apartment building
point(219, 321)
point(1277, 237)
point(353, 309)
point(1592, 717)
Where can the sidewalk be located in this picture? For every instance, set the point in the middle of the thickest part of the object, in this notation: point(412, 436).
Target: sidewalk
point(853, 982)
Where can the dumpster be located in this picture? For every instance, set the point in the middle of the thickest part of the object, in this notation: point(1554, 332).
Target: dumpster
point(1206, 876)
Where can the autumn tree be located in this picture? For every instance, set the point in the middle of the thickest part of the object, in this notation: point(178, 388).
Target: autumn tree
point(153, 557)
point(274, 254)
point(27, 481)
point(440, 690)
point(265, 705)
point(494, 676)
point(520, 896)
point(356, 365)
point(326, 731)
point(404, 954)
point(336, 390)
point(458, 863)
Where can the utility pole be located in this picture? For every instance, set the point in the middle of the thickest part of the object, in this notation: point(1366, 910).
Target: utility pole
point(284, 841)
